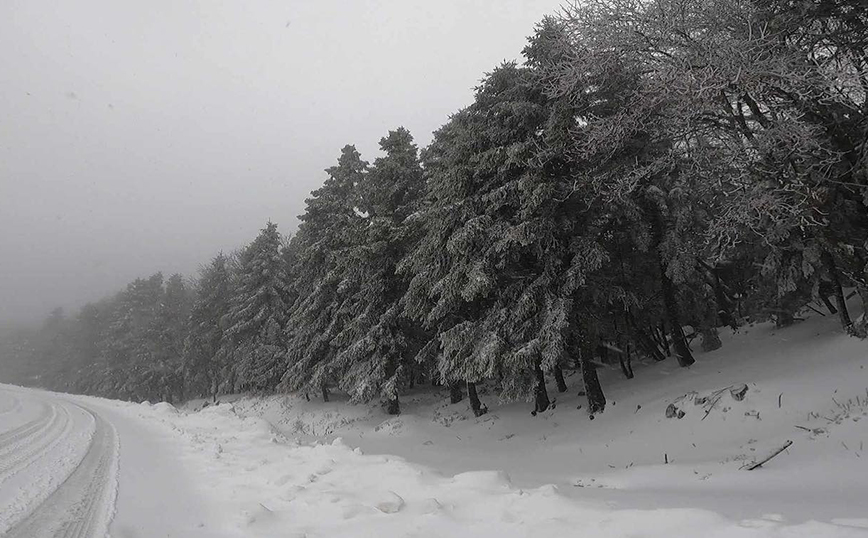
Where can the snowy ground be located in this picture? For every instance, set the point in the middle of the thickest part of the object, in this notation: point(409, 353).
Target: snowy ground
point(277, 467)
point(810, 376)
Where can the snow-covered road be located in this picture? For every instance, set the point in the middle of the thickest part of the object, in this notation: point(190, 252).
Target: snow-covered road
point(58, 464)
point(73, 468)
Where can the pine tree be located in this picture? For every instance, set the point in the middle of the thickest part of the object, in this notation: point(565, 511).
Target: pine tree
point(326, 276)
point(488, 275)
point(204, 349)
point(374, 351)
point(257, 315)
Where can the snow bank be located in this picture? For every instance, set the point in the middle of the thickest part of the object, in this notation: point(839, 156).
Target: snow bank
point(164, 408)
point(278, 487)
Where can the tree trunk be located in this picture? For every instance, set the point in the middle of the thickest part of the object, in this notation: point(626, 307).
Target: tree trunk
point(829, 306)
point(643, 341)
point(393, 407)
point(541, 396)
point(593, 390)
point(325, 393)
point(724, 307)
point(655, 337)
point(629, 354)
point(784, 316)
point(721, 299)
point(710, 339)
point(649, 346)
point(673, 319)
point(455, 392)
point(841, 301)
point(475, 404)
point(559, 378)
point(664, 342)
point(626, 362)
point(860, 327)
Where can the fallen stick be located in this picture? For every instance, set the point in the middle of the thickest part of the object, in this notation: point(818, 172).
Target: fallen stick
point(815, 310)
point(773, 454)
point(711, 406)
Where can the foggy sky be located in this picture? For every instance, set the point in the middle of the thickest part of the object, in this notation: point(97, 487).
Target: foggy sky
point(138, 137)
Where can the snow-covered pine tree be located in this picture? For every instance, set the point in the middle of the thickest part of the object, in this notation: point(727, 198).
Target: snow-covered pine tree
point(487, 275)
point(376, 347)
point(325, 274)
point(257, 314)
point(769, 144)
point(164, 373)
point(128, 349)
point(204, 350)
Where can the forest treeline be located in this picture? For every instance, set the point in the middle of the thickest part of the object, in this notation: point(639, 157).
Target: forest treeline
point(652, 171)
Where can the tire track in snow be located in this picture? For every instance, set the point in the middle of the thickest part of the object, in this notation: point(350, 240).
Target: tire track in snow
point(29, 449)
point(12, 436)
point(82, 506)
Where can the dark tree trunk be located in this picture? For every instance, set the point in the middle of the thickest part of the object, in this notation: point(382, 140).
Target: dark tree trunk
point(593, 390)
point(670, 299)
point(646, 343)
point(656, 332)
point(664, 342)
point(540, 395)
point(455, 392)
point(629, 354)
point(785, 312)
point(841, 301)
point(673, 319)
point(603, 354)
point(649, 346)
point(626, 361)
point(393, 407)
point(784, 319)
point(860, 327)
point(475, 404)
point(710, 339)
point(325, 393)
point(559, 378)
point(724, 305)
point(829, 306)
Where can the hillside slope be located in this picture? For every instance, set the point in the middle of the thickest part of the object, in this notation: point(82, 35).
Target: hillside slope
point(807, 384)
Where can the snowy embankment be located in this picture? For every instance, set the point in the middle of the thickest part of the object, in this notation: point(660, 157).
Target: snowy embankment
point(606, 477)
point(276, 487)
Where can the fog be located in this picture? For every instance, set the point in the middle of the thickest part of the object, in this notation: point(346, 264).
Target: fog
point(138, 137)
